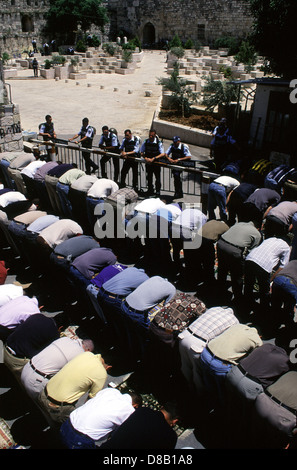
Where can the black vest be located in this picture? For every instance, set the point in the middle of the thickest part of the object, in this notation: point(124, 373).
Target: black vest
point(177, 152)
point(151, 148)
point(108, 140)
point(129, 145)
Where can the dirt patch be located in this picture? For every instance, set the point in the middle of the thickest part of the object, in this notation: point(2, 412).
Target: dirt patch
point(204, 122)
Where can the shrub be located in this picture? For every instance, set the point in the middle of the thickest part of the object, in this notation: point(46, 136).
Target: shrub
point(247, 54)
point(189, 44)
point(58, 60)
point(179, 52)
point(5, 57)
point(127, 55)
point(175, 42)
point(81, 46)
point(228, 42)
point(109, 48)
point(47, 64)
point(217, 92)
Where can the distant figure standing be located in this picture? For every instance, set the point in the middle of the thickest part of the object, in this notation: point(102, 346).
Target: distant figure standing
point(34, 45)
point(35, 67)
point(46, 48)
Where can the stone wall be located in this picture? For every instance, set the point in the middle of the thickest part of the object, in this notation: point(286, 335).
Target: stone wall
point(23, 20)
point(11, 138)
point(203, 20)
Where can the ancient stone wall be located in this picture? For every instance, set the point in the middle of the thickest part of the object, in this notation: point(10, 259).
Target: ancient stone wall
point(23, 20)
point(203, 20)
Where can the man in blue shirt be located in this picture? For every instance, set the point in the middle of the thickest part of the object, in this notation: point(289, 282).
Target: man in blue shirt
point(179, 152)
point(86, 135)
point(129, 150)
point(109, 142)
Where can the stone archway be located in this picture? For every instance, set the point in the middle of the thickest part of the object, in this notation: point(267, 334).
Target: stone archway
point(149, 34)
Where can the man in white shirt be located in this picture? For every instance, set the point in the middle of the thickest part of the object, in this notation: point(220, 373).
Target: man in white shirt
point(37, 372)
point(272, 253)
point(97, 418)
point(217, 195)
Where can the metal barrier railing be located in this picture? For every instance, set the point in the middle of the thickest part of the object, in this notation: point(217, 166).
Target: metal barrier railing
point(193, 179)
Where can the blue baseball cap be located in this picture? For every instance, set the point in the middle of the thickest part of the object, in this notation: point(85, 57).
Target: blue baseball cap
point(176, 138)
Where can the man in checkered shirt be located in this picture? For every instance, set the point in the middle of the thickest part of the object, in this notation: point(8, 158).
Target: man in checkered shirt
point(192, 341)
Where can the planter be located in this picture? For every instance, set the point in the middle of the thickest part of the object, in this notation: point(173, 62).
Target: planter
point(47, 73)
point(61, 71)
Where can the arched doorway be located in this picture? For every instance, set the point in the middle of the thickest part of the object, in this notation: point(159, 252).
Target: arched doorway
point(149, 34)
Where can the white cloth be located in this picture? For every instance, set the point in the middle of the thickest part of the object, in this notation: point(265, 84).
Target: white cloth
point(103, 187)
point(150, 205)
point(227, 181)
point(191, 218)
point(84, 183)
point(11, 196)
point(31, 169)
point(9, 292)
point(102, 414)
point(17, 310)
point(49, 361)
point(59, 231)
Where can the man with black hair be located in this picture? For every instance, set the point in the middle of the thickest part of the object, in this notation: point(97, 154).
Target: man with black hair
point(146, 429)
point(110, 143)
point(98, 418)
point(175, 153)
point(152, 150)
point(86, 135)
point(48, 133)
point(129, 150)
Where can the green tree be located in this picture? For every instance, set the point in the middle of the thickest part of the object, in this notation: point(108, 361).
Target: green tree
point(175, 42)
point(273, 34)
point(217, 92)
point(246, 54)
point(64, 16)
point(182, 95)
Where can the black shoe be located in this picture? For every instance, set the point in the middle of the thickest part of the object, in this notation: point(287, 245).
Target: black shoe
point(95, 168)
point(178, 195)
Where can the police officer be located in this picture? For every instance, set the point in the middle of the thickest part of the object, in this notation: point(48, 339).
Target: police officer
point(221, 143)
point(110, 143)
point(151, 150)
point(129, 150)
point(86, 135)
point(179, 152)
point(46, 129)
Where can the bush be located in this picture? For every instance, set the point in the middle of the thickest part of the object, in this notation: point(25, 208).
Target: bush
point(175, 42)
point(5, 57)
point(95, 41)
point(189, 44)
point(47, 64)
point(228, 42)
point(81, 46)
point(179, 52)
point(127, 55)
point(58, 60)
point(109, 48)
point(217, 92)
point(246, 54)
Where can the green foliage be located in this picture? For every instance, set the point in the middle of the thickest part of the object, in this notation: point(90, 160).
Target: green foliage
point(63, 16)
point(95, 41)
point(47, 64)
point(109, 48)
point(273, 34)
point(127, 55)
point(217, 92)
point(58, 60)
point(228, 42)
point(246, 54)
point(5, 57)
point(175, 42)
point(226, 71)
point(182, 97)
point(132, 44)
point(179, 52)
point(81, 46)
point(197, 45)
point(189, 44)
